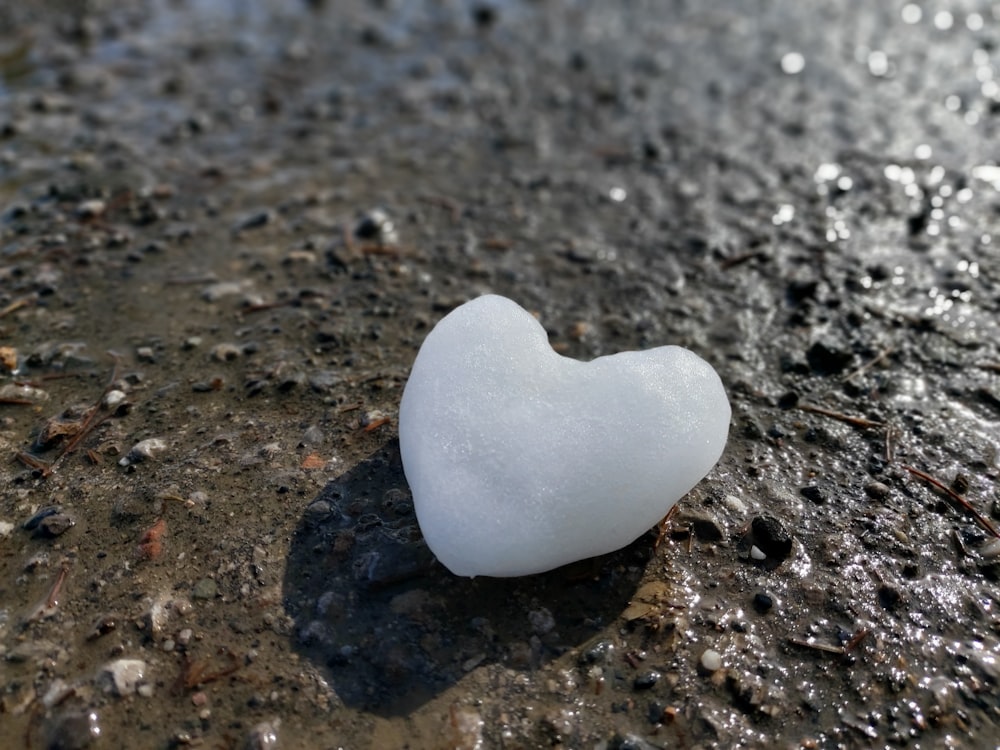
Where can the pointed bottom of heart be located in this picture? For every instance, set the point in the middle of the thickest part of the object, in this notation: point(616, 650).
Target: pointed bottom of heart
point(359, 566)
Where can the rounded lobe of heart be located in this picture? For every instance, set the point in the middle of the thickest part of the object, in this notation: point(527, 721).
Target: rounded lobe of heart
point(521, 460)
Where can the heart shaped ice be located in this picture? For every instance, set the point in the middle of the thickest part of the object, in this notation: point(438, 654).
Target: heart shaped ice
point(521, 460)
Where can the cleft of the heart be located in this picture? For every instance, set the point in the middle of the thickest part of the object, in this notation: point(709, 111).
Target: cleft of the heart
point(521, 460)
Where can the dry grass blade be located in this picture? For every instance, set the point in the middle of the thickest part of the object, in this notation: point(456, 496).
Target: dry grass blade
point(869, 364)
point(961, 501)
point(848, 418)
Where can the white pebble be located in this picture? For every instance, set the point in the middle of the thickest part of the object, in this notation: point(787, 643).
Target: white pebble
point(711, 660)
point(113, 398)
point(734, 504)
point(757, 553)
point(142, 450)
point(792, 63)
point(121, 676)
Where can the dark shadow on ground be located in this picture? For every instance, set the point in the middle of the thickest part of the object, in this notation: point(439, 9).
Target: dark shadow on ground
point(391, 628)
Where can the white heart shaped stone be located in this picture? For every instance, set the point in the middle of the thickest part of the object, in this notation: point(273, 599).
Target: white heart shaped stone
point(521, 460)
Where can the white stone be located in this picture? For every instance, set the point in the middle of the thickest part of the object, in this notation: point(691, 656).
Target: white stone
point(143, 450)
point(711, 660)
point(121, 676)
point(521, 460)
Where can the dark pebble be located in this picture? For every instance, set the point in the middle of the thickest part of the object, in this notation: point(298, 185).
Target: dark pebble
point(770, 536)
point(960, 484)
point(877, 490)
point(814, 493)
point(253, 221)
point(801, 290)
point(646, 680)
point(794, 363)
point(655, 712)
point(72, 731)
point(291, 380)
point(317, 511)
point(788, 400)
point(323, 380)
point(762, 602)
point(484, 16)
point(55, 525)
point(36, 520)
point(751, 429)
point(598, 653)
point(828, 358)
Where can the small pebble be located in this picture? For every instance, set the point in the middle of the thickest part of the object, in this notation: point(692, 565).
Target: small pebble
point(42, 513)
point(734, 504)
point(72, 731)
point(206, 588)
point(771, 537)
point(756, 553)
point(55, 525)
point(598, 653)
point(215, 292)
point(762, 602)
point(225, 352)
point(121, 676)
point(813, 493)
point(877, 490)
point(90, 209)
point(377, 226)
point(646, 680)
point(711, 660)
point(8, 359)
point(143, 450)
point(541, 621)
point(264, 736)
point(113, 399)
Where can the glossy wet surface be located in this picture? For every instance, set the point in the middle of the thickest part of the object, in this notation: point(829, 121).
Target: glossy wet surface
point(226, 231)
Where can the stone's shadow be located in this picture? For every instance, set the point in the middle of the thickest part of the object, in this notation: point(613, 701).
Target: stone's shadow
point(391, 628)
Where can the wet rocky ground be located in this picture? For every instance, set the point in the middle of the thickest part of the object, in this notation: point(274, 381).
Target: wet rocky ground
point(227, 227)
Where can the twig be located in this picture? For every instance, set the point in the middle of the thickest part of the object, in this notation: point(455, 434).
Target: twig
point(962, 502)
point(856, 640)
point(452, 207)
point(817, 646)
point(890, 433)
point(870, 364)
point(849, 419)
point(264, 306)
point(663, 527)
point(17, 305)
point(48, 606)
point(736, 260)
point(90, 423)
